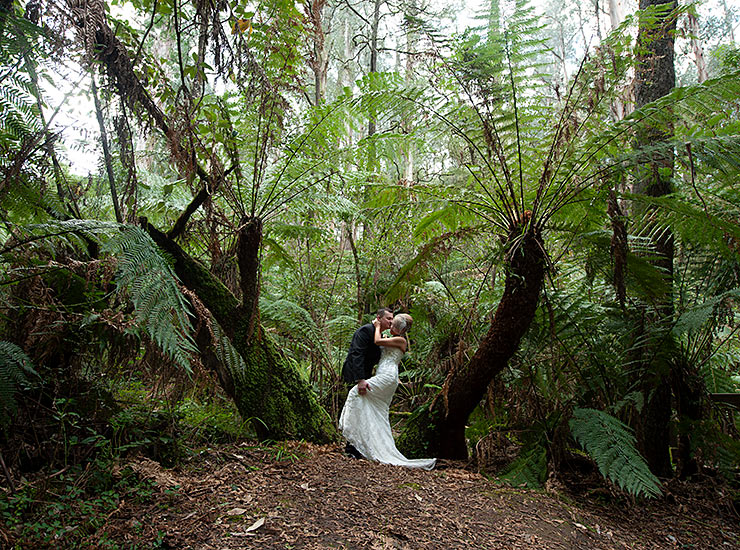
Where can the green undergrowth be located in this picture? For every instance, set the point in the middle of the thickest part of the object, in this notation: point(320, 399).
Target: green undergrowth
point(168, 431)
point(67, 510)
point(68, 496)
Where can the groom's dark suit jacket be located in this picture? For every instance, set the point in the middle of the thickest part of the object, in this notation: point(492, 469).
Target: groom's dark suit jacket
point(363, 355)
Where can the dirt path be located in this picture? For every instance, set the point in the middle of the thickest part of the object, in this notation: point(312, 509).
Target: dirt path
point(306, 496)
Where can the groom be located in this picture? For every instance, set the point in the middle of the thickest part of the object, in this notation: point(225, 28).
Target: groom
point(364, 354)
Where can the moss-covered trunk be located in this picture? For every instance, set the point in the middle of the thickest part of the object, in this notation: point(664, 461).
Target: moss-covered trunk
point(440, 430)
point(265, 386)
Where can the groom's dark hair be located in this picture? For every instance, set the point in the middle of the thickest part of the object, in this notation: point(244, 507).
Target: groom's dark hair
point(383, 310)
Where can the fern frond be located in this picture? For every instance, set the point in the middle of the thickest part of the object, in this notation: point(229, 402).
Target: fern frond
point(19, 115)
point(611, 444)
point(14, 368)
point(726, 456)
point(529, 469)
point(696, 318)
point(160, 307)
point(225, 350)
point(694, 222)
point(143, 274)
point(341, 328)
point(297, 322)
point(29, 203)
point(408, 273)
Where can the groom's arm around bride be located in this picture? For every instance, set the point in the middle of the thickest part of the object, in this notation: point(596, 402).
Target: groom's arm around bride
point(363, 353)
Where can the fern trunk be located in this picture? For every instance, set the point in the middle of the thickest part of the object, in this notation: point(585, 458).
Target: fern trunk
point(440, 430)
point(655, 77)
point(267, 387)
point(689, 389)
point(247, 253)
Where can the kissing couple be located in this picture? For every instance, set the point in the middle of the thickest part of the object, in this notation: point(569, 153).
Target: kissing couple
point(364, 420)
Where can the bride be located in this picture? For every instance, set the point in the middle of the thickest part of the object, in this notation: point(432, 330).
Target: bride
point(364, 420)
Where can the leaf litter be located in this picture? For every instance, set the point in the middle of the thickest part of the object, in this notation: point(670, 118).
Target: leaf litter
point(314, 497)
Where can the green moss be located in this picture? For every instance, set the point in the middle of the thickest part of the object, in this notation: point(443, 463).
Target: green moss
point(270, 389)
point(272, 392)
point(219, 300)
point(74, 291)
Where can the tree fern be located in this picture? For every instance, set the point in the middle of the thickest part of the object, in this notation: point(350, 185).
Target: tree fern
point(18, 111)
point(22, 163)
point(296, 321)
point(19, 115)
point(695, 318)
point(27, 202)
point(225, 351)
point(719, 372)
point(612, 446)
point(144, 275)
point(160, 307)
point(726, 453)
point(14, 368)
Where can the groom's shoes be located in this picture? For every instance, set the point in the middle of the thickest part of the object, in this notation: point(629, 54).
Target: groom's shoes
point(350, 451)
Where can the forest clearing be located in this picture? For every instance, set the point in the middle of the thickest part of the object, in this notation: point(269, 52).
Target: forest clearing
point(499, 244)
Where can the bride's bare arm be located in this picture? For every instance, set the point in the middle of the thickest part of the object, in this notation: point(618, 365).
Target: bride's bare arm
point(393, 341)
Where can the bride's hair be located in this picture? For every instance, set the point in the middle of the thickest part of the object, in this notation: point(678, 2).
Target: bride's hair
point(402, 323)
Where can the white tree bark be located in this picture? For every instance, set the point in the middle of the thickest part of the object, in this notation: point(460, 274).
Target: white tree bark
point(620, 107)
point(616, 13)
point(697, 48)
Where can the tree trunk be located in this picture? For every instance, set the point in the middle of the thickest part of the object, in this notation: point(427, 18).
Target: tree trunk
point(620, 106)
point(698, 49)
point(248, 257)
point(654, 78)
point(108, 159)
point(372, 161)
point(439, 431)
point(689, 388)
point(129, 195)
point(616, 13)
point(265, 387)
point(408, 123)
point(319, 57)
point(358, 276)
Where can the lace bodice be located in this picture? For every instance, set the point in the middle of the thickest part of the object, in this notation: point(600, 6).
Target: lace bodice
point(389, 359)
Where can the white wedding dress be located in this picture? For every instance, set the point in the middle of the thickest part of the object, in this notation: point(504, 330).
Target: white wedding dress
point(364, 420)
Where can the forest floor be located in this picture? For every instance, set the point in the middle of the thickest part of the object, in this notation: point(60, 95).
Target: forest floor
point(297, 495)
